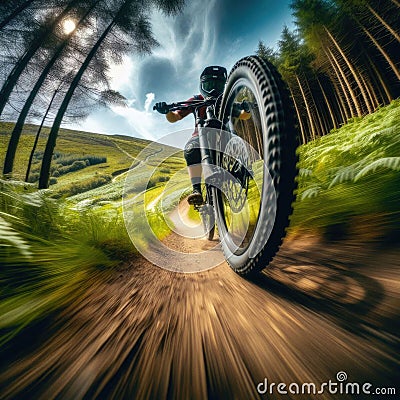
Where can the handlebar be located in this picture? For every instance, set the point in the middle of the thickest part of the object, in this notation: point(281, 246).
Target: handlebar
point(183, 105)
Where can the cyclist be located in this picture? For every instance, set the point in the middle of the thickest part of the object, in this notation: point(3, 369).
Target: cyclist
point(212, 84)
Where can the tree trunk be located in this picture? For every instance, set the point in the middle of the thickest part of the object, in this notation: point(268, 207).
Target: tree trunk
point(381, 83)
point(28, 170)
point(382, 51)
point(51, 141)
point(331, 114)
point(339, 101)
point(310, 119)
point(16, 133)
point(19, 67)
point(313, 107)
point(371, 94)
point(19, 9)
point(351, 68)
point(384, 23)
point(303, 136)
point(317, 112)
point(345, 84)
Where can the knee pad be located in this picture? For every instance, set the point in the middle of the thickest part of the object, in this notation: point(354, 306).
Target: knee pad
point(192, 151)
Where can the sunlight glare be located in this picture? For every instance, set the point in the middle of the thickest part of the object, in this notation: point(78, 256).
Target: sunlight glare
point(69, 26)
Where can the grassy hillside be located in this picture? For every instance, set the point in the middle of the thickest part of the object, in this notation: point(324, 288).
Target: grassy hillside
point(117, 151)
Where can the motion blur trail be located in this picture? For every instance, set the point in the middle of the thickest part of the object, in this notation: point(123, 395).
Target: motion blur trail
point(148, 333)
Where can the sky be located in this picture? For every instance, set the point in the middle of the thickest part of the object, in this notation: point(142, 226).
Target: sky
point(207, 32)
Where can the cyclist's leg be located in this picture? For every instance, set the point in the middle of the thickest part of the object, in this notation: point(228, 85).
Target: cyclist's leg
point(193, 161)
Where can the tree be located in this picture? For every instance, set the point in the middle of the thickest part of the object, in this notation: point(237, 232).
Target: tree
point(16, 133)
point(10, 9)
point(342, 61)
point(267, 53)
point(130, 21)
point(106, 98)
point(378, 39)
point(295, 66)
point(41, 35)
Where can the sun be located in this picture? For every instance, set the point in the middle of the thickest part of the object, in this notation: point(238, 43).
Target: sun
point(69, 26)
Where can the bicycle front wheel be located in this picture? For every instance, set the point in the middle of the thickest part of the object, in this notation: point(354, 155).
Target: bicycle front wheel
point(258, 155)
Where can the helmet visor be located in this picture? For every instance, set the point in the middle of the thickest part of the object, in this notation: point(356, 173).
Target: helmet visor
point(213, 85)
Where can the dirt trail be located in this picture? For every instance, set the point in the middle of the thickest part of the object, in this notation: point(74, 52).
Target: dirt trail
point(148, 333)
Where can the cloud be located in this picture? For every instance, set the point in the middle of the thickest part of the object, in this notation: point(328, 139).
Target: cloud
point(149, 124)
point(142, 123)
point(122, 74)
point(149, 99)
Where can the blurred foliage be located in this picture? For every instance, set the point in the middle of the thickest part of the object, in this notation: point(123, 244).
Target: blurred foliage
point(50, 253)
point(353, 171)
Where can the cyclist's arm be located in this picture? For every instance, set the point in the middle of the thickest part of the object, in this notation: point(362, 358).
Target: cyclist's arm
point(174, 116)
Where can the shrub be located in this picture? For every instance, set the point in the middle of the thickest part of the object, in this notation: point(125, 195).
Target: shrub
point(83, 186)
point(77, 165)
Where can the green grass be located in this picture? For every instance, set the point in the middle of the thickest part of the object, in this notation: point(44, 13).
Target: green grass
point(75, 144)
point(50, 253)
point(352, 172)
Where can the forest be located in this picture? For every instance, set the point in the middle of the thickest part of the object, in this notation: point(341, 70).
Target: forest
point(341, 62)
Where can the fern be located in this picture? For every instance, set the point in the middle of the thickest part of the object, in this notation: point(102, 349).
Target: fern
point(343, 175)
point(392, 163)
point(10, 237)
point(332, 166)
point(310, 193)
point(305, 172)
point(346, 174)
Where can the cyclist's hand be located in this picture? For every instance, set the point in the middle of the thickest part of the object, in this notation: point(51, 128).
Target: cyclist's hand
point(245, 106)
point(161, 107)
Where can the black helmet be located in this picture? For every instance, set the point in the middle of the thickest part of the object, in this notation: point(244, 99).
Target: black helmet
point(212, 81)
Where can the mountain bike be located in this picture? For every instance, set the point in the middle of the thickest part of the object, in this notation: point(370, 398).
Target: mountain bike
point(248, 146)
